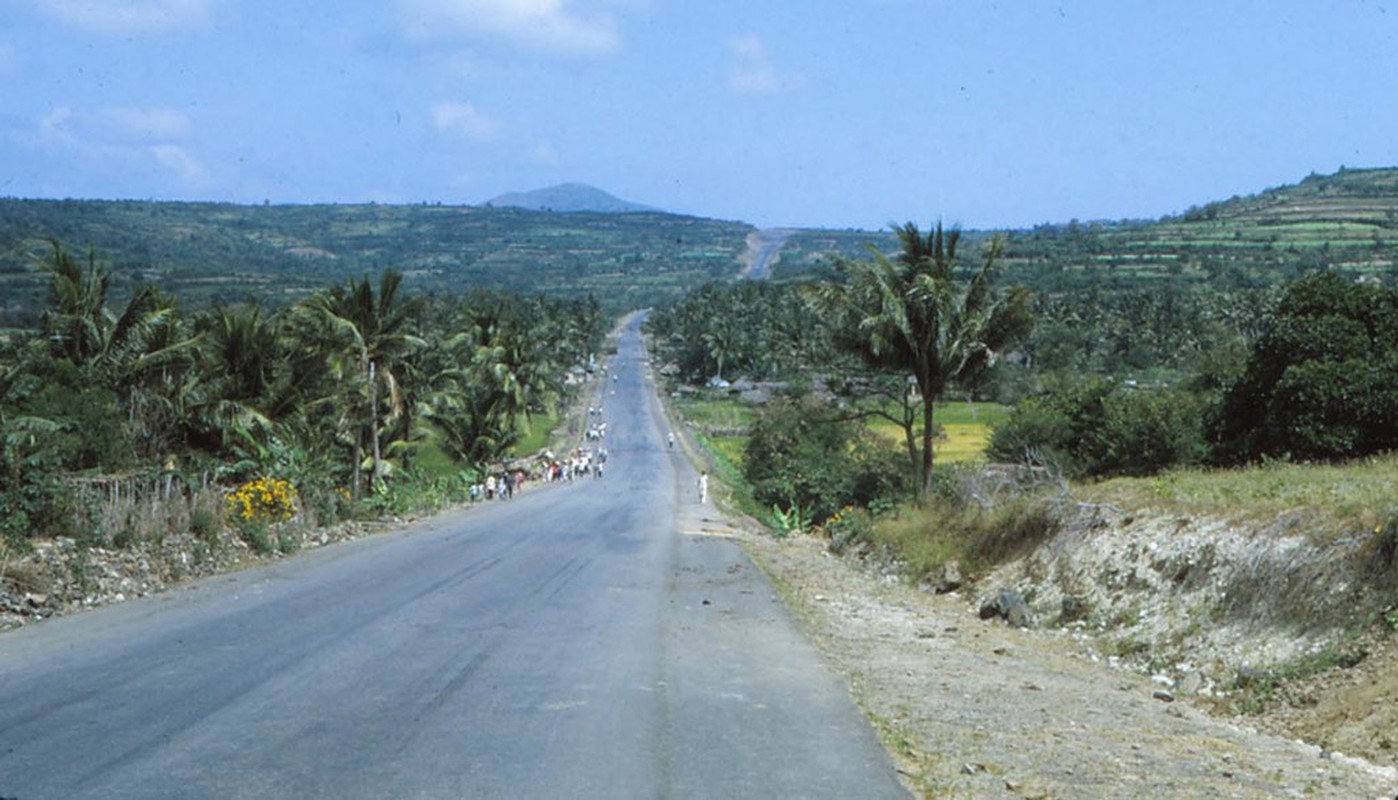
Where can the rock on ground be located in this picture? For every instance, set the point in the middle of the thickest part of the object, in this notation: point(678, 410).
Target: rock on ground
point(977, 708)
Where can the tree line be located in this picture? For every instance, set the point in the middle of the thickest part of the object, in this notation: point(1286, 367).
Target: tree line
point(345, 393)
point(1103, 382)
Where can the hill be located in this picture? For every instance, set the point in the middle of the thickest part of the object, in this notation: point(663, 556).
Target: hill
point(279, 253)
point(1347, 221)
point(568, 197)
point(629, 257)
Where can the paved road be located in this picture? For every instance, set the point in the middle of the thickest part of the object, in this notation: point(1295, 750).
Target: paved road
point(578, 641)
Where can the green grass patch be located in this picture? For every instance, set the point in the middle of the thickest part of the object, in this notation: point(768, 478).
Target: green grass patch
point(430, 459)
point(714, 411)
point(535, 434)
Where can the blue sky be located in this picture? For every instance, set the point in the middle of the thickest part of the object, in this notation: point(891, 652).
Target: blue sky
point(824, 113)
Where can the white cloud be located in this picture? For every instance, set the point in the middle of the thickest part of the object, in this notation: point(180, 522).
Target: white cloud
point(123, 137)
point(751, 71)
point(152, 124)
point(555, 26)
point(465, 120)
point(114, 125)
point(180, 161)
point(128, 17)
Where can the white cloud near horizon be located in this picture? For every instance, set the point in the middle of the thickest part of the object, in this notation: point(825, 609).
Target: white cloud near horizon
point(463, 119)
point(154, 124)
point(125, 136)
point(751, 70)
point(554, 26)
point(181, 162)
point(129, 17)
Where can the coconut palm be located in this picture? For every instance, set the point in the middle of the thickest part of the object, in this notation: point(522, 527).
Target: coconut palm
point(909, 314)
point(366, 334)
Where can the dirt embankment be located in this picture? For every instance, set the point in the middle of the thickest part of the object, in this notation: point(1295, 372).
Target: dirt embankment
point(1137, 696)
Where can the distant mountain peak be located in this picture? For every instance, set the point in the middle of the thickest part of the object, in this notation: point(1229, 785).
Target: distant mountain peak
point(568, 197)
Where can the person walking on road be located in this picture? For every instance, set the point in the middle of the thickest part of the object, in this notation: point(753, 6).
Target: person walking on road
point(670, 438)
point(704, 487)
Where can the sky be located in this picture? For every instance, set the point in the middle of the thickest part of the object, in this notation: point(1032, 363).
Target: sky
point(822, 113)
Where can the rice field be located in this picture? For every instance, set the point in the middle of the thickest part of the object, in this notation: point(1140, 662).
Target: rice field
point(966, 426)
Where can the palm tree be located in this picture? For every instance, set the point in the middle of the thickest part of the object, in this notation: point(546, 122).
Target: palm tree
point(76, 320)
point(492, 375)
point(909, 315)
point(140, 353)
point(369, 335)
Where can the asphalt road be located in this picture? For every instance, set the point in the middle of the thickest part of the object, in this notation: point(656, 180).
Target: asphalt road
point(582, 640)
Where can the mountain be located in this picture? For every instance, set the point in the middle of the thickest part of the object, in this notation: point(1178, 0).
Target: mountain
point(568, 197)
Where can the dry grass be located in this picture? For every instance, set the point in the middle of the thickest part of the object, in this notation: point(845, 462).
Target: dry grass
point(1342, 498)
point(966, 430)
point(977, 538)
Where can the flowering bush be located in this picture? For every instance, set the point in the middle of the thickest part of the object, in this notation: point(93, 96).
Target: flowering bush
point(264, 500)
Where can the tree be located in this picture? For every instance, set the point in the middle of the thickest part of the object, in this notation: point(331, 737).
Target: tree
point(76, 321)
point(1319, 381)
point(910, 315)
point(367, 335)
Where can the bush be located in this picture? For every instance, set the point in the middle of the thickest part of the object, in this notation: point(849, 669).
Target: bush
point(800, 455)
point(1099, 429)
point(262, 501)
point(1036, 432)
point(849, 527)
point(1145, 431)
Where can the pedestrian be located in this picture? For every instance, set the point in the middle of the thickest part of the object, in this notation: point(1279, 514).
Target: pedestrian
point(490, 488)
point(704, 487)
point(670, 437)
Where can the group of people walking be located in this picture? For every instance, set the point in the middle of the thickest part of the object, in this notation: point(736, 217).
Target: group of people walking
point(499, 486)
point(583, 462)
point(580, 464)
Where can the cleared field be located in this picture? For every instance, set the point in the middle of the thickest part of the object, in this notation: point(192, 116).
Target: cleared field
point(966, 427)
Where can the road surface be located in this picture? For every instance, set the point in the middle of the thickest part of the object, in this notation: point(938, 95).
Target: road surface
point(582, 640)
point(764, 247)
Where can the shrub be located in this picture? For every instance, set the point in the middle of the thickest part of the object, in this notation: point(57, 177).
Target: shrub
point(262, 501)
point(850, 526)
point(1100, 429)
point(1036, 432)
point(800, 454)
point(797, 456)
point(1145, 431)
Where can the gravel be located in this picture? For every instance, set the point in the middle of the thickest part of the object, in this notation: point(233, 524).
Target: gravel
point(977, 708)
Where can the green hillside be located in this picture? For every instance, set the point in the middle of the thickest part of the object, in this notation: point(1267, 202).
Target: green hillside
point(1346, 221)
point(208, 251)
point(217, 251)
